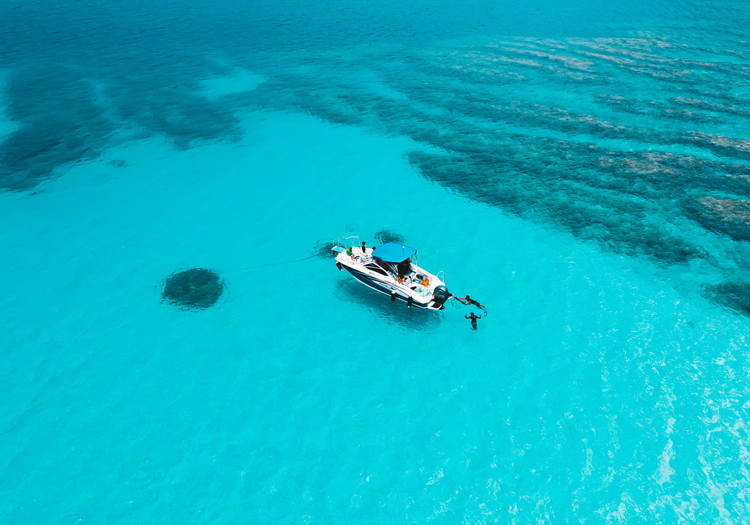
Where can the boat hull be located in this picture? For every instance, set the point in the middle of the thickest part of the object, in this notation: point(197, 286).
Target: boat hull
point(387, 289)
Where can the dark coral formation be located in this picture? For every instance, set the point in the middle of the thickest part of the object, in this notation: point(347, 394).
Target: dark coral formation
point(323, 249)
point(197, 288)
point(727, 216)
point(386, 236)
point(59, 122)
point(63, 115)
point(732, 294)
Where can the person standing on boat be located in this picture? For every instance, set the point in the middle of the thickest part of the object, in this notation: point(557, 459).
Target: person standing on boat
point(473, 318)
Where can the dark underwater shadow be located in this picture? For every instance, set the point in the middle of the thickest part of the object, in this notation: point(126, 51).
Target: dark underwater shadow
point(378, 304)
point(734, 295)
point(193, 290)
point(323, 249)
point(387, 236)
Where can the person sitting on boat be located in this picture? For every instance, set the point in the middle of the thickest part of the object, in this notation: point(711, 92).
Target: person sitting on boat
point(363, 248)
point(350, 252)
point(473, 318)
point(468, 301)
point(423, 280)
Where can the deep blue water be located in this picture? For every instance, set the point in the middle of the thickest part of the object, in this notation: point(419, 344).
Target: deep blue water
point(583, 169)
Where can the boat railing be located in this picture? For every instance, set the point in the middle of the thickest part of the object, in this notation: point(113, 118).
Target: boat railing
point(346, 241)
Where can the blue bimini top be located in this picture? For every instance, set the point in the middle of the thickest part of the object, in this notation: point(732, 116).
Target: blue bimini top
point(393, 252)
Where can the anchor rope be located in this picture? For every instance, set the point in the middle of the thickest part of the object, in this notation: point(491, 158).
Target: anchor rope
point(266, 265)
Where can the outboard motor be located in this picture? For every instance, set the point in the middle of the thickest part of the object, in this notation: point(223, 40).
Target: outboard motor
point(441, 294)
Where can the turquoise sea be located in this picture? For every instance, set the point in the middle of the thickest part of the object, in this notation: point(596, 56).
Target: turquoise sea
point(581, 168)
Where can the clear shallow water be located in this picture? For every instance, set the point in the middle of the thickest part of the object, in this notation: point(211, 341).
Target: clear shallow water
point(583, 176)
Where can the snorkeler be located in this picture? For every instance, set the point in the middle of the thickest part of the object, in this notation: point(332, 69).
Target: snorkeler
point(473, 318)
point(469, 301)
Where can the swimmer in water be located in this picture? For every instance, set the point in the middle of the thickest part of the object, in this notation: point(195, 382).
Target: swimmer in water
point(469, 301)
point(473, 318)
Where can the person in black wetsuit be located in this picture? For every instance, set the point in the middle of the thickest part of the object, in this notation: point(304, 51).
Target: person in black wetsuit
point(473, 318)
point(404, 268)
point(469, 301)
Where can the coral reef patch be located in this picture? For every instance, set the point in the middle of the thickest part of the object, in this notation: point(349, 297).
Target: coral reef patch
point(732, 294)
point(386, 236)
point(323, 249)
point(728, 216)
point(197, 288)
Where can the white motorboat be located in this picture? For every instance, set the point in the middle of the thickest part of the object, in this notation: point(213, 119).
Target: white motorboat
point(391, 269)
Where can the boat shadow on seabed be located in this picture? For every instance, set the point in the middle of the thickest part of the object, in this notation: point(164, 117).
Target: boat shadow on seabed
point(394, 312)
